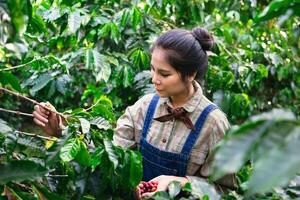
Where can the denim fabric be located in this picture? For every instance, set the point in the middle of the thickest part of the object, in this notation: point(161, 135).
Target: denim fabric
point(158, 162)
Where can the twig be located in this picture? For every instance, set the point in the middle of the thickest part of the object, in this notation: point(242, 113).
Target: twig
point(35, 135)
point(23, 186)
point(33, 101)
point(53, 175)
point(25, 64)
point(15, 155)
point(11, 68)
point(92, 105)
point(16, 112)
point(18, 66)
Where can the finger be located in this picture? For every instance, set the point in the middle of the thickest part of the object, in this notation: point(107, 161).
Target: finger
point(40, 117)
point(41, 110)
point(38, 113)
point(44, 113)
point(38, 122)
point(138, 193)
point(147, 194)
point(44, 108)
point(50, 106)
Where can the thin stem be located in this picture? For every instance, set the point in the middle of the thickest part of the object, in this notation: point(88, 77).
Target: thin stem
point(16, 112)
point(34, 135)
point(15, 67)
point(23, 65)
point(92, 105)
point(54, 175)
point(33, 101)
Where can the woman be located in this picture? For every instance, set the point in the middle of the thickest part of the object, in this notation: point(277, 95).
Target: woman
point(176, 128)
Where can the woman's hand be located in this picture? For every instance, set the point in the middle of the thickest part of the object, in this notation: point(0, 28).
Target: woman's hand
point(163, 182)
point(49, 121)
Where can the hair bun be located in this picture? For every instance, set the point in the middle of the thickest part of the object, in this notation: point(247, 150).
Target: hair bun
point(204, 38)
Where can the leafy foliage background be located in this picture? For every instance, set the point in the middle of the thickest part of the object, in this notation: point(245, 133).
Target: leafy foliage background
point(90, 59)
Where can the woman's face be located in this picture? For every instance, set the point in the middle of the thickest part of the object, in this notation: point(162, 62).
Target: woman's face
point(166, 79)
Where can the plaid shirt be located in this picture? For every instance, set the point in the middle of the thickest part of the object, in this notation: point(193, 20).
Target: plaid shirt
point(171, 135)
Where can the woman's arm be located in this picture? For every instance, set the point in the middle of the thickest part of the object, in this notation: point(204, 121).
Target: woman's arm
point(130, 124)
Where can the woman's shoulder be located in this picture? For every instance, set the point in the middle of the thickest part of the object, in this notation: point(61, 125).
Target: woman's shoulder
point(217, 115)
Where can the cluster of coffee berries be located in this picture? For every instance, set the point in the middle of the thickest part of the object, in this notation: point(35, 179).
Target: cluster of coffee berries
point(147, 186)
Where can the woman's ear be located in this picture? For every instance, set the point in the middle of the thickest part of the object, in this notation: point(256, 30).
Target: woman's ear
point(192, 77)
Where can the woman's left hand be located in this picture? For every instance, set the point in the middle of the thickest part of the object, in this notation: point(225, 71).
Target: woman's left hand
point(163, 182)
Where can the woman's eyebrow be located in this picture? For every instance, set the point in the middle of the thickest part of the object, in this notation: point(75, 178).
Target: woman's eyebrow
point(161, 70)
point(164, 71)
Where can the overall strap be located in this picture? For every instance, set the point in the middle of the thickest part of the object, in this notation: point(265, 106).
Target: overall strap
point(149, 115)
point(190, 141)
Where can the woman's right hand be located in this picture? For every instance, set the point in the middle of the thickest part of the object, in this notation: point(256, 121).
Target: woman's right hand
point(49, 121)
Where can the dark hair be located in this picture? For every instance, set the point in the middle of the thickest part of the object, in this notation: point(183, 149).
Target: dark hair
point(186, 50)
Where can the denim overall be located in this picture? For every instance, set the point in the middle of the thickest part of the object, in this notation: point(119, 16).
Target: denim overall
point(157, 162)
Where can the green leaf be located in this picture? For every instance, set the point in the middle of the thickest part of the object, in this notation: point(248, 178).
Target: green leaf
point(69, 151)
point(34, 146)
point(19, 13)
point(101, 67)
point(144, 58)
point(83, 157)
point(54, 151)
point(104, 31)
point(125, 16)
point(85, 125)
point(275, 114)
point(174, 189)
point(44, 192)
point(271, 141)
point(201, 188)
point(89, 59)
point(101, 123)
point(136, 17)
point(127, 76)
point(115, 32)
point(161, 195)
point(61, 83)
point(187, 187)
point(52, 14)
point(40, 83)
point(21, 170)
point(227, 35)
point(108, 146)
point(279, 165)
point(274, 9)
point(136, 169)
point(234, 152)
point(4, 128)
point(74, 21)
point(8, 78)
point(96, 157)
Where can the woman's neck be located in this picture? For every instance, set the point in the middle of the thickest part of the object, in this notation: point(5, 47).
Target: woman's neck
point(180, 99)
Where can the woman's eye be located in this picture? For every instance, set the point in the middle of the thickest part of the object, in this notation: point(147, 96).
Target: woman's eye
point(165, 75)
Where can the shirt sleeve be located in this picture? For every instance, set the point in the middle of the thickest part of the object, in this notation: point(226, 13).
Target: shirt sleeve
point(130, 124)
point(217, 133)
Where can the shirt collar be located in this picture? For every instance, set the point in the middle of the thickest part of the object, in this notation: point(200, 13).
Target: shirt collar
point(192, 103)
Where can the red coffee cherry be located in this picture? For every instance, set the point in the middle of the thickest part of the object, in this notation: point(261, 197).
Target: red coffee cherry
point(147, 187)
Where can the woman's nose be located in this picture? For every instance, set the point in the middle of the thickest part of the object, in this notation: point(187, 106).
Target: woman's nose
point(155, 79)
